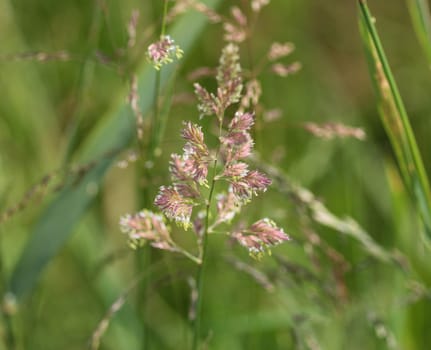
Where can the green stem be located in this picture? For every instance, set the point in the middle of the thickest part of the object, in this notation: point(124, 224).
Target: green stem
point(165, 13)
point(203, 255)
point(189, 256)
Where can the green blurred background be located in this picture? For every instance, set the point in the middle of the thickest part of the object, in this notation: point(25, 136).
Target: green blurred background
point(52, 116)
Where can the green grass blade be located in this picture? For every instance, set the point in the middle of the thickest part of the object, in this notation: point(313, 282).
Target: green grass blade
point(114, 132)
point(395, 120)
point(421, 19)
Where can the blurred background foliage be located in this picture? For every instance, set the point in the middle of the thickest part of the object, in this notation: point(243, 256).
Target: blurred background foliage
point(328, 289)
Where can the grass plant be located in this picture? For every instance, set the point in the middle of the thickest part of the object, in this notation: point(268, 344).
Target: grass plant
point(169, 118)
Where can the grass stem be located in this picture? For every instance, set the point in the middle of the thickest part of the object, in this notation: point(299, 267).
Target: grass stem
point(203, 255)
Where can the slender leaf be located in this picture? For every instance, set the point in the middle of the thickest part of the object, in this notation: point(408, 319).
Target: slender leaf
point(395, 120)
point(421, 18)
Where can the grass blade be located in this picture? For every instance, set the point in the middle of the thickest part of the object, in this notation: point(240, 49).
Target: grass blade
point(396, 121)
point(421, 19)
point(114, 132)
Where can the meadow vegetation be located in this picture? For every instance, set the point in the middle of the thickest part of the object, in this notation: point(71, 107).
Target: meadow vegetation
point(209, 174)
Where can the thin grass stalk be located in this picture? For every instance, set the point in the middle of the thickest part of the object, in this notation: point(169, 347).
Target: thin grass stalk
point(396, 121)
point(421, 19)
point(204, 254)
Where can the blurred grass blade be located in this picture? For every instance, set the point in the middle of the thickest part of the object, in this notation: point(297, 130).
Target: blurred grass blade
point(114, 132)
point(396, 121)
point(421, 19)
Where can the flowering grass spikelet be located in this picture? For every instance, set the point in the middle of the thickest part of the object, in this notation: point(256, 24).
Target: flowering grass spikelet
point(243, 188)
point(280, 50)
point(174, 206)
point(229, 76)
point(208, 104)
point(283, 70)
point(196, 153)
point(236, 31)
point(163, 52)
point(241, 122)
point(235, 170)
point(146, 226)
point(177, 168)
point(253, 92)
point(229, 82)
point(257, 181)
point(236, 145)
point(260, 237)
point(194, 136)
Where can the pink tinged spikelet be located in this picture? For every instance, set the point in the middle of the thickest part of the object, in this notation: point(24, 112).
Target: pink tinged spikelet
point(235, 138)
point(241, 122)
point(239, 16)
point(193, 134)
point(260, 237)
point(197, 167)
point(329, 131)
point(229, 76)
point(253, 91)
point(243, 150)
point(187, 190)
point(243, 188)
point(196, 154)
point(283, 70)
point(279, 50)
point(236, 32)
point(163, 52)
point(146, 226)
point(236, 145)
point(234, 170)
point(178, 169)
point(257, 181)
point(229, 68)
point(241, 191)
point(207, 102)
point(174, 206)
